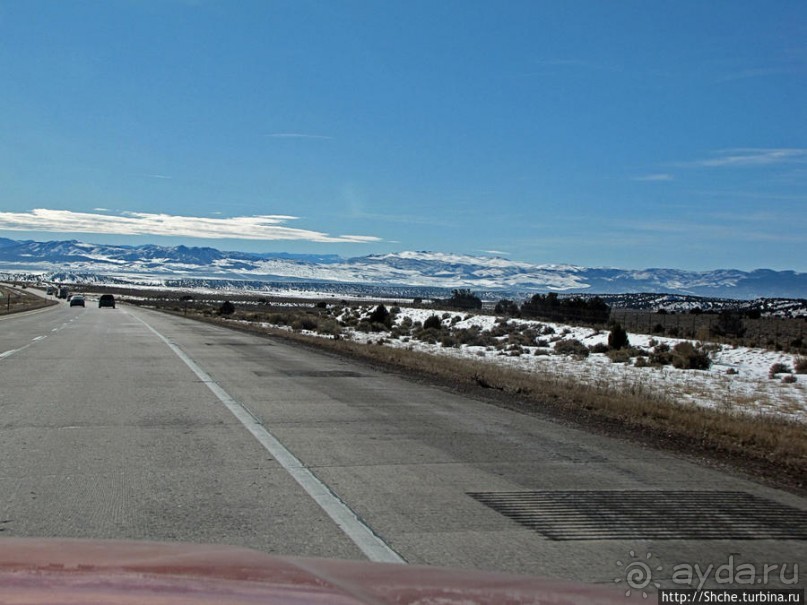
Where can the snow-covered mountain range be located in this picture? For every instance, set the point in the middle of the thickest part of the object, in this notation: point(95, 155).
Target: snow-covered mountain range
point(142, 264)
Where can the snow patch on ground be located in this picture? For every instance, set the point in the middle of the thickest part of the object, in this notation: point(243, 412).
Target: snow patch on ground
point(738, 380)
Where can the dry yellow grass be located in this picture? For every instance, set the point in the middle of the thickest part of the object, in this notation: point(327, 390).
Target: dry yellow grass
point(17, 300)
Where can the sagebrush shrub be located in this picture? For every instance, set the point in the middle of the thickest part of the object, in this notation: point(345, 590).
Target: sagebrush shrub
point(619, 356)
point(571, 346)
point(226, 308)
point(686, 356)
point(432, 323)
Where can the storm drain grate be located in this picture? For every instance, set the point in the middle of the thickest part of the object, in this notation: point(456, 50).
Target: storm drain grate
point(311, 373)
point(649, 515)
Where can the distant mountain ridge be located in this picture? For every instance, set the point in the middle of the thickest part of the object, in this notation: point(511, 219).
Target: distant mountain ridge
point(410, 269)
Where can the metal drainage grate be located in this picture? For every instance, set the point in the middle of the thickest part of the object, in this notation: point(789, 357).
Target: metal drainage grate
point(311, 373)
point(649, 515)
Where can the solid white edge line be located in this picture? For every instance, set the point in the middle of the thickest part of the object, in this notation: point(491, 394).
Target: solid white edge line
point(354, 528)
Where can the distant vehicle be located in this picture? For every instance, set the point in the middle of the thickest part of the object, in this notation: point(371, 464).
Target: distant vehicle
point(51, 291)
point(106, 300)
point(77, 301)
point(64, 291)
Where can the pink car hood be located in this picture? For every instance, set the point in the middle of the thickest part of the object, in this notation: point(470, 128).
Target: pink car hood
point(60, 571)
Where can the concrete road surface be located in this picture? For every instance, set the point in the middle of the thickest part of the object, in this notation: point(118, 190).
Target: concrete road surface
point(125, 423)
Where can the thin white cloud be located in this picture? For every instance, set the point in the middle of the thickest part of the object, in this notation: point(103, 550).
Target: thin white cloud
point(654, 177)
point(297, 135)
point(712, 231)
point(754, 157)
point(159, 176)
point(264, 227)
point(761, 72)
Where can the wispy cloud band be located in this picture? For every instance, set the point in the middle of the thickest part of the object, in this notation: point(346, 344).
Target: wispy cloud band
point(297, 135)
point(264, 227)
point(754, 157)
point(650, 178)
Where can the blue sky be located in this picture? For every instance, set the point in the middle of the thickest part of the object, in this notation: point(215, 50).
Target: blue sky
point(631, 134)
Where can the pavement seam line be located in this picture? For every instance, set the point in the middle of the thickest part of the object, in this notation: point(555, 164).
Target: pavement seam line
point(372, 545)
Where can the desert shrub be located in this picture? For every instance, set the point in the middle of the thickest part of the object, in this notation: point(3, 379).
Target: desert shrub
point(501, 328)
point(432, 323)
point(661, 355)
point(329, 327)
point(304, 322)
point(778, 368)
point(515, 350)
point(600, 347)
point(428, 335)
point(474, 337)
point(641, 362)
point(226, 308)
point(571, 346)
point(686, 356)
point(447, 340)
point(619, 355)
point(801, 365)
point(618, 338)
point(530, 336)
point(380, 316)
point(519, 338)
point(789, 379)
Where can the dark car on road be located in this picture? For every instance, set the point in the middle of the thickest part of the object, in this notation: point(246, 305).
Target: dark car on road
point(77, 301)
point(106, 300)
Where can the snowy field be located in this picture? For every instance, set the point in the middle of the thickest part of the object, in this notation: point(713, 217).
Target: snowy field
point(737, 381)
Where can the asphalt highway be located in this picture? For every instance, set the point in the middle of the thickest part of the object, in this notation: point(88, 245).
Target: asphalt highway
point(127, 423)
